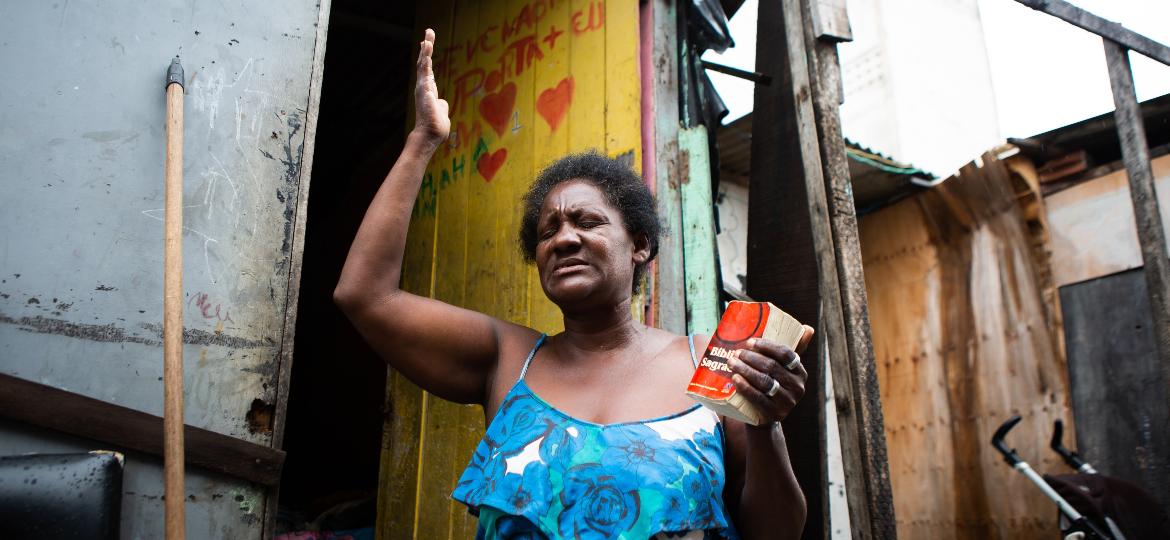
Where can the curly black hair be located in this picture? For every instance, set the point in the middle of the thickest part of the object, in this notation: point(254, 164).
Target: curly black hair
point(622, 187)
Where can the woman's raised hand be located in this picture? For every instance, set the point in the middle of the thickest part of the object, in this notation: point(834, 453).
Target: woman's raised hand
point(761, 366)
point(430, 112)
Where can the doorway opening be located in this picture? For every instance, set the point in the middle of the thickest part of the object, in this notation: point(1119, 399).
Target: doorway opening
point(333, 432)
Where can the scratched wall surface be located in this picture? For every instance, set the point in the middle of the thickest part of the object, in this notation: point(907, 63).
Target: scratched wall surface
point(528, 81)
point(81, 167)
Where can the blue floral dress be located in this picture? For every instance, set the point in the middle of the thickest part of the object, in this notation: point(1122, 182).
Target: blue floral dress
point(539, 473)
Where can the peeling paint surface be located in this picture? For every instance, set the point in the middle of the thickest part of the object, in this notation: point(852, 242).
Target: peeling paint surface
point(81, 172)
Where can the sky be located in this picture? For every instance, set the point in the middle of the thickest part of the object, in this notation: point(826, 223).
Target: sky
point(1045, 72)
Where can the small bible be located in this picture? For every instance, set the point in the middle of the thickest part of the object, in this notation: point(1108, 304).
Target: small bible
point(711, 384)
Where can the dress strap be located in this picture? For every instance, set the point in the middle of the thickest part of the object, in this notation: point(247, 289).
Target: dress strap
point(531, 355)
point(691, 343)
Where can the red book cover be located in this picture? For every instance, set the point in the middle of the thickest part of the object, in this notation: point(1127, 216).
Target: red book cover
point(741, 321)
point(711, 384)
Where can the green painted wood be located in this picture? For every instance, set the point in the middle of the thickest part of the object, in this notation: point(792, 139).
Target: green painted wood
point(698, 226)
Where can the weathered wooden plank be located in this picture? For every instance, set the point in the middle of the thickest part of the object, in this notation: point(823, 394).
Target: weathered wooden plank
point(962, 343)
point(698, 218)
point(126, 428)
point(1115, 385)
point(587, 116)
point(623, 98)
point(474, 248)
point(644, 303)
point(1102, 27)
point(623, 119)
point(297, 251)
point(402, 439)
point(398, 470)
point(1151, 236)
point(668, 283)
point(830, 21)
point(858, 398)
point(449, 445)
point(489, 153)
point(787, 255)
point(549, 143)
point(586, 121)
point(514, 176)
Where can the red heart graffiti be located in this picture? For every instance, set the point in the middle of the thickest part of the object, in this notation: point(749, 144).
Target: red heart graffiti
point(554, 102)
point(497, 107)
point(488, 164)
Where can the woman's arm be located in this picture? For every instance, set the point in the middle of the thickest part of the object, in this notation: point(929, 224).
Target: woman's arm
point(761, 490)
point(447, 350)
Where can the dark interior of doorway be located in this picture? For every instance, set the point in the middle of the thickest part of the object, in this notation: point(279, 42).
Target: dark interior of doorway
point(335, 406)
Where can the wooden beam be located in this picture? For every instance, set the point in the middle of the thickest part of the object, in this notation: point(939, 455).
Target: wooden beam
point(1102, 27)
point(830, 21)
point(1151, 236)
point(790, 258)
point(107, 423)
point(296, 254)
point(698, 218)
point(855, 378)
point(297, 250)
point(858, 399)
point(669, 299)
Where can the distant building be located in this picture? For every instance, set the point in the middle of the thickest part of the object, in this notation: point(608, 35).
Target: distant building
point(917, 81)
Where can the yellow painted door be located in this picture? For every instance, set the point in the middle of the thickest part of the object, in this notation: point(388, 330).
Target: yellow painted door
point(528, 81)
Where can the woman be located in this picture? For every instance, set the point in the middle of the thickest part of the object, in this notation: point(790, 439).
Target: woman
point(564, 455)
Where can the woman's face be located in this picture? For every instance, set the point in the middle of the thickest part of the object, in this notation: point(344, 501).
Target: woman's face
point(583, 252)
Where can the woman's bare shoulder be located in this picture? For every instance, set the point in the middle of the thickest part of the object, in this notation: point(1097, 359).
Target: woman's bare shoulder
point(515, 342)
point(670, 338)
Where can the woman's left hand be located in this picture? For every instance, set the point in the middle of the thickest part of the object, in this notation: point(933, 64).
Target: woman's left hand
point(761, 363)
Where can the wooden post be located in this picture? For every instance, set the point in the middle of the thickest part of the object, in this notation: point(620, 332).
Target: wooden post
point(699, 266)
point(173, 309)
point(669, 299)
point(1102, 27)
point(293, 294)
point(858, 400)
point(1151, 235)
point(790, 246)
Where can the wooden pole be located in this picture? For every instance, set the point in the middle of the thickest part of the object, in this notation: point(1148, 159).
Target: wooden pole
point(858, 400)
point(669, 298)
point(173, 309)
point(1102, 27)
point(790, 255)
point(1151, 236)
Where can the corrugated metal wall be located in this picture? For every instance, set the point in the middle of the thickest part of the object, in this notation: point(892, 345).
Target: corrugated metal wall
point(81, 172)
point(528, 81)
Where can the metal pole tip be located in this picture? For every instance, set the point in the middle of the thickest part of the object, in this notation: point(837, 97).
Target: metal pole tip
point(175, 72)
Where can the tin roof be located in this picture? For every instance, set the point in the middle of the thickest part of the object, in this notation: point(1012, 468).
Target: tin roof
point(1098, 135)
point(877, 179)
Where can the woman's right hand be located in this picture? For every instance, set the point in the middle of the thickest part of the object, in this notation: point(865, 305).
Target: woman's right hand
point(430, 112)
